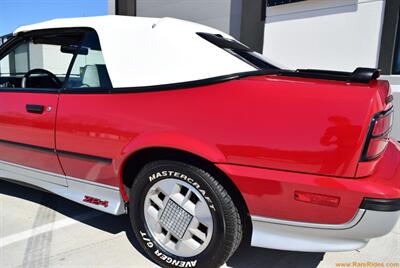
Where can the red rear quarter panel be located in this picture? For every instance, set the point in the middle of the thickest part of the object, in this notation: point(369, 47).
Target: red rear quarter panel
point(293, 124)
point(270, 193)
point(304, 126)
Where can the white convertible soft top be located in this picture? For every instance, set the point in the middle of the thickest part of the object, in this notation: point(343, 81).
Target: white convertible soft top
point(151, 51)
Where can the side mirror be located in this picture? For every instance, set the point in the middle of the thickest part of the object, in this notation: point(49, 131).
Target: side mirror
point(75, 49)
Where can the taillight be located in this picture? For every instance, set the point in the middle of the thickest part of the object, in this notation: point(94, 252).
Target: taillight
point(378, 135)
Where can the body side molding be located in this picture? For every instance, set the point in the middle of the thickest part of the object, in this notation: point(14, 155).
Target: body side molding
point(60, 152)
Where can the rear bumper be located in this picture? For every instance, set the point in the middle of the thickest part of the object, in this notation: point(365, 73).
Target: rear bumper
point(297, 236)
point(369, 207)
point(375, 218)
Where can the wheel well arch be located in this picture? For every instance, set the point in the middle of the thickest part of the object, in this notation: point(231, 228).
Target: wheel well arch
point(134, 163)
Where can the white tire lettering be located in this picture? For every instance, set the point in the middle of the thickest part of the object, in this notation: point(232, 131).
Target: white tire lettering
point(158, 253)
point(174, 262)
point(146, 239)
point(171, 173)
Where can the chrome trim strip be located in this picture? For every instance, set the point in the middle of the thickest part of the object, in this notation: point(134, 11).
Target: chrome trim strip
point(357, 217)
point(93, 183)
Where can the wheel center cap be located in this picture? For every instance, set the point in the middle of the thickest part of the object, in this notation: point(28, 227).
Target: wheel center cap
point(175, 219)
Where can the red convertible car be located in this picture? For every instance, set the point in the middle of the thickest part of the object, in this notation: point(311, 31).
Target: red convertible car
point(200, 139)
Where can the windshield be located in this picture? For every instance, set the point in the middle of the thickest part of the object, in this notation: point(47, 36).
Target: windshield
point(239, 50)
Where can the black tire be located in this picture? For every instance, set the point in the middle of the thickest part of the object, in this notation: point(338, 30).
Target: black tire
point(227, 230)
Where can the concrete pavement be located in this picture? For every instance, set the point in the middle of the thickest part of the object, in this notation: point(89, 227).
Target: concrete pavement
point(38, 229)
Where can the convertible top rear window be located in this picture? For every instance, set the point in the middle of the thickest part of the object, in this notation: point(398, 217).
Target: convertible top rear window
point(239, 50)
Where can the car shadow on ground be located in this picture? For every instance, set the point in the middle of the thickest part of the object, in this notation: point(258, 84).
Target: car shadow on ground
point(103, 221)
point(245, 256)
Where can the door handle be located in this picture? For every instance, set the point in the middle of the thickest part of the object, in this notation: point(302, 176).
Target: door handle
point(34, 108)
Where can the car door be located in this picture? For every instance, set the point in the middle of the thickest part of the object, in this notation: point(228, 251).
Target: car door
point(32, 71)
point(85, 138)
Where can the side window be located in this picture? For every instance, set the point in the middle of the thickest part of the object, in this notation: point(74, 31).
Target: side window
point(35, 63)
point(89, 69)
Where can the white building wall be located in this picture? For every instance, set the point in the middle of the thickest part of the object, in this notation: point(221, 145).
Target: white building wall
point(334, 34)
point(111, 7)
point(213, 13)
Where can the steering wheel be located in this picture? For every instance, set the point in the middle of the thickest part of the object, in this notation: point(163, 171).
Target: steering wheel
point(52, 76)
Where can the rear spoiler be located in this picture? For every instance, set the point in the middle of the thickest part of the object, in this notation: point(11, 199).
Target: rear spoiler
point(360, 75)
